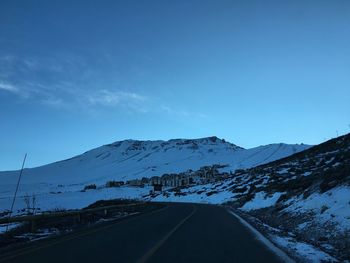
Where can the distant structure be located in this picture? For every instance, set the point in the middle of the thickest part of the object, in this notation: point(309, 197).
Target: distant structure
point(157, 188)
point(206, 174)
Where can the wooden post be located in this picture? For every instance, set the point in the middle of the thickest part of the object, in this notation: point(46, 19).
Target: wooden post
point(14, 197)
point(33, 226)
point(79, 218)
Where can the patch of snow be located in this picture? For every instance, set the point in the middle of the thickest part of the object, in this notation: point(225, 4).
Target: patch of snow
point(331, 160)
point(302, 225)
point(304, 251)
point(333, 205)
point(10, 226)
point(40, 234)
point(283, 171)
point(261, 200)
point(307, 173)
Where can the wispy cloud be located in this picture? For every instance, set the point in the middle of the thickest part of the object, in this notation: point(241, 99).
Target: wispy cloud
point(170, 110)
point(65, 81)
point(9, 87)
point(23, 90)
point(68, 96)
point(130, 101)
point(54, 102)
point(69, 82)
point(114, 98)
point(182, 112)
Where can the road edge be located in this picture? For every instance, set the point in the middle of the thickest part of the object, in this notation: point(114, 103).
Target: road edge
point(276, 250)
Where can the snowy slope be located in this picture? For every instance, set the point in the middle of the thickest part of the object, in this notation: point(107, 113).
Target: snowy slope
point(59, 184)
point(304, 197)
point(130, 159)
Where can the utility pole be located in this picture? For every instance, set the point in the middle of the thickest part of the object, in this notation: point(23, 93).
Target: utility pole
point(14, 197)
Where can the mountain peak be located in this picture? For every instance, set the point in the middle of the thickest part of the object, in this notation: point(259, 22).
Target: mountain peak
point(180, 141)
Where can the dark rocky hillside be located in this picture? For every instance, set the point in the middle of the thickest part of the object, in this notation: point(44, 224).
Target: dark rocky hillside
point(319, 168)
point(309, 195)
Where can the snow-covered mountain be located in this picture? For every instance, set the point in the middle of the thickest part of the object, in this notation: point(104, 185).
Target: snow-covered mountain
point(131, 159)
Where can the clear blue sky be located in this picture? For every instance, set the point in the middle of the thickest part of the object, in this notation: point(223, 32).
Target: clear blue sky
point(78, 74)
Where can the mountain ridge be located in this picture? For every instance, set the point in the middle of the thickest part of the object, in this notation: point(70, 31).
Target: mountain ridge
point(131, 159)
point(183, 141)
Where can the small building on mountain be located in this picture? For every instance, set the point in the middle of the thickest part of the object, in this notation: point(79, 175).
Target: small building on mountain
point(157, 187)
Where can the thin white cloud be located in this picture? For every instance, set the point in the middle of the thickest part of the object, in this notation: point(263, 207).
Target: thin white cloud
point(54, 102)
point(24, 90)
point(70, 83)
point(66, 95)
point(181, 112)
point(7, 59)
point(172, 111)
point(9, 87)
point(114, 98)
point(31, 64)
point(122, 100)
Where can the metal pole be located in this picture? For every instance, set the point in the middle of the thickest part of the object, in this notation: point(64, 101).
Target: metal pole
point(14, 198)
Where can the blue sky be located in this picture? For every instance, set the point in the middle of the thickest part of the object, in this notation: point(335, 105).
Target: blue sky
point(78, 74)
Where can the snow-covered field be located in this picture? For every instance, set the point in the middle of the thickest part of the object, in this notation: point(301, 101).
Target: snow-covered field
point(74, 199)
point(59, 184)
point(70, 198)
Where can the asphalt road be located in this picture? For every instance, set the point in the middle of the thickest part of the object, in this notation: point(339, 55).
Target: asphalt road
point(176, 233)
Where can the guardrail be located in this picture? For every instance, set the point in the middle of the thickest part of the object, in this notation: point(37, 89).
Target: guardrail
point(77, 214)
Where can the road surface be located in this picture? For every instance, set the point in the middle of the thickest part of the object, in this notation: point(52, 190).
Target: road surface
point(176, 233)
